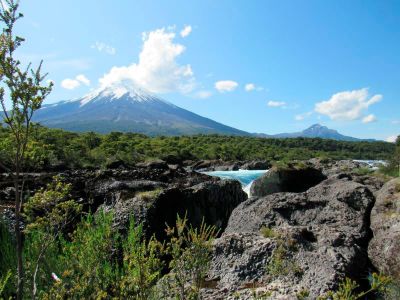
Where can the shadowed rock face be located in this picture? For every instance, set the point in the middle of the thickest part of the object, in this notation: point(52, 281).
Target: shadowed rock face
point(384, 247)
point(286, 180)
point(211, 201)
point(325, 231)
point(172, 190)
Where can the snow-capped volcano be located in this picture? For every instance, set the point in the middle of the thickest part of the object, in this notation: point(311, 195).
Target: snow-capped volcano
point(130, 109)
point(116, 92)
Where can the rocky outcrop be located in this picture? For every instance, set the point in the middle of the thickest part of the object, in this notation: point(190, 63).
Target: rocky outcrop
point(211, 201)
point(354, 170)
point(286, 179)
point(384, 247)
point(154, 193)
point(286, 242)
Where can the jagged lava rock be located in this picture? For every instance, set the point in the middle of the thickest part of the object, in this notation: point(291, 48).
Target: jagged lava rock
point(328, 226)
point(384, 247)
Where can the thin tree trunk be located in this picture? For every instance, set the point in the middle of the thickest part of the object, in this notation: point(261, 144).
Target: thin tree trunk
point(18, 237)
point(34, 284)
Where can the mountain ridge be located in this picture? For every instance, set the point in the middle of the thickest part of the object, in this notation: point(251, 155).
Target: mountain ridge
point(130, 109)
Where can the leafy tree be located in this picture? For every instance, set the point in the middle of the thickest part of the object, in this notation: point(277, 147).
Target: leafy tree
point(397, 154)
point(26, 94)
point(48, 213)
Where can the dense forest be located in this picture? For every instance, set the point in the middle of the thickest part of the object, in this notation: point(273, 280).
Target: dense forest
point(50, 148)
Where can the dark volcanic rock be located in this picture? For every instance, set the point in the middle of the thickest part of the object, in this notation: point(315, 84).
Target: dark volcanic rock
point(212, 201)
point(153, 193)
point(384, 247)
point(289, 179)
point(326, 230)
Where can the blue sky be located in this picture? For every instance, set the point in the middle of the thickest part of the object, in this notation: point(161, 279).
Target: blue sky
point(331, 62)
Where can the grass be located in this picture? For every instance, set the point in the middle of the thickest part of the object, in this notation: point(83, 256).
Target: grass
point(268, 232)
point(281, 264)
point(149, 195)
point(363, 171)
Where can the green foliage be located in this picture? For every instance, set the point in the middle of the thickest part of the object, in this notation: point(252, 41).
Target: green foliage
point(90, 269)
point(51, 209)
point(77, 150)
point(7, 261)
point(190, 250)
point(303, 294)
point(3, 282)
point(282, 262)
point(268, 232)
point(393, 168)
point(23, 90)
point(142, 265)
point(47, 213)
point(348, 289)
point(97, 263)
point(149, 195)
point(363, 171)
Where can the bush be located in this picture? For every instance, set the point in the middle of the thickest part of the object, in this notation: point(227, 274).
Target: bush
point(190, 250)
point(8, 261)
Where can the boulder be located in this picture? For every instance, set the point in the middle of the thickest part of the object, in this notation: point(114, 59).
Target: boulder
point(284, 243)
point(331, 167)
point(384, 247)
point(286, 179)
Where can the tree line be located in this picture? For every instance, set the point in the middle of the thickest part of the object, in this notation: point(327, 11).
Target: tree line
point(55, 148)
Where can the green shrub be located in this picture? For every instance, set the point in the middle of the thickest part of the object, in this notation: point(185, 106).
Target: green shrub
point(363, 171)
point(141, 266)
point(8, 261)
point(149, 195)
point(268, 232)
point(348, 289)
point(282, 262)
point(190, 252)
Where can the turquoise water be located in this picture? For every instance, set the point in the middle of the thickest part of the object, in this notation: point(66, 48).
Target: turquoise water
point(244, 176)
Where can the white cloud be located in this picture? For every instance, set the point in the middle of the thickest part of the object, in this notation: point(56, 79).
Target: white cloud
point(391, 139)
point(226, 86)
point(157, 70)
point(71, 84)
point(82, 78)
point(368, 119)
point(203, 94)
point(250, 87)
point(301, 117)
point(186, 31)
point(347, 105)
point(276, 103)
point(103, 47)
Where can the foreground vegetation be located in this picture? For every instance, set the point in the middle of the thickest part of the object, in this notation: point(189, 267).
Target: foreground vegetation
point(55, 147)
point(72, 255)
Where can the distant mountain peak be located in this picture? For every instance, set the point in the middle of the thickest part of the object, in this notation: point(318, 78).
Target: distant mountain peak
point(319, 129)
point(316, 126)
point(315, 131)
